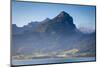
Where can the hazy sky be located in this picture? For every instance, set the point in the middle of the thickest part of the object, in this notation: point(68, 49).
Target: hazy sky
point(25, 12)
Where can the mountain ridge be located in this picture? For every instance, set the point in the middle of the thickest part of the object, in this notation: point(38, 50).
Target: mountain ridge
point(59, 33)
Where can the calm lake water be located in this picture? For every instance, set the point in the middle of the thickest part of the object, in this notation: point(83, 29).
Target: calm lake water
point(51, 60)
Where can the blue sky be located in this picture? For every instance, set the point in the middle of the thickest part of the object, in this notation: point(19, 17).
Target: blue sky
point(25, 12)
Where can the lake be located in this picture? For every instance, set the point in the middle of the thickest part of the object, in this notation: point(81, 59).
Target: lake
point(51, 60)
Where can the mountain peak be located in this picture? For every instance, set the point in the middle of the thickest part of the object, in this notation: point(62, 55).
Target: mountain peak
point(64, 17)
point(46, 20)
point(63, 14)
